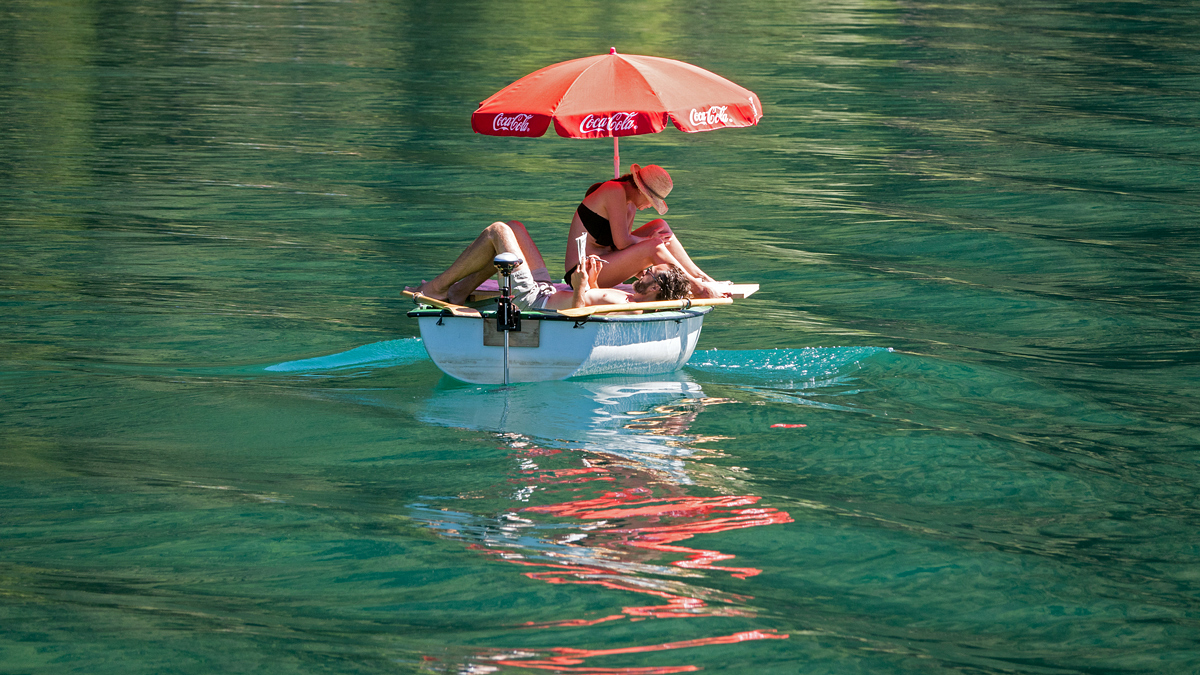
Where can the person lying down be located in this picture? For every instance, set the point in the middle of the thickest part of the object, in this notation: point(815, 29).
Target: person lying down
point(532, 287)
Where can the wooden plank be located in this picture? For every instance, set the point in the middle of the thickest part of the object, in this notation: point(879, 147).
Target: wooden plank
point(737, 291)
point(635, 306)
point(456, 310)
point(742, 291)
point(529, 335)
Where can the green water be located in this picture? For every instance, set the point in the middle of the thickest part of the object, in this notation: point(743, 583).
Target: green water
point(223, 449)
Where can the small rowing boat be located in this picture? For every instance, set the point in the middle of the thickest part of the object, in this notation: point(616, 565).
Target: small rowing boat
point(503, 346)
point(554, 346)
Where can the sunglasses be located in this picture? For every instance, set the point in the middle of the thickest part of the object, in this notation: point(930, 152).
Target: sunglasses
point(652, 273)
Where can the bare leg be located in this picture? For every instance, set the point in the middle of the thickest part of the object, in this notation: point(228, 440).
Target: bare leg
point(529, 250)
point(474, 261)
point(463, 288)
point(677, 251)
point(625, 263)
point(621, 264)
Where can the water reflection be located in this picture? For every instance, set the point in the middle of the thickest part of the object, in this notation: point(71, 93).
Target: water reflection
point(602, 495)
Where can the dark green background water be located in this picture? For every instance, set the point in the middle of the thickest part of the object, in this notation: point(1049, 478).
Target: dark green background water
point(975, 229)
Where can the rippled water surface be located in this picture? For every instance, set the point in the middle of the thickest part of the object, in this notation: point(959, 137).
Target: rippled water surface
point(955, 432)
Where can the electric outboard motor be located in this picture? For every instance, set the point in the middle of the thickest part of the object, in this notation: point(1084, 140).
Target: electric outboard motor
point(508, 317)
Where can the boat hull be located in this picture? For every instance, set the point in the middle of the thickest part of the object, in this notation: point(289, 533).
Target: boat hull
point(649, 344)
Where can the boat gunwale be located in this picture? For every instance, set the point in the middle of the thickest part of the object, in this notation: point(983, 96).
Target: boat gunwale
point(534, 315)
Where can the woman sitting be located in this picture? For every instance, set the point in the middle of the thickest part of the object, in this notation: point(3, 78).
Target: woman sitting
point(606, 215)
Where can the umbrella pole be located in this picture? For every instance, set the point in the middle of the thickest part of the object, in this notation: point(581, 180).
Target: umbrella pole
point(616, 159)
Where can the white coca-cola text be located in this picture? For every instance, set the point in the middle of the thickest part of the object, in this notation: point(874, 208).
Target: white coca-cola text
point(518, 122)
point(714, 115)
point(622, 121)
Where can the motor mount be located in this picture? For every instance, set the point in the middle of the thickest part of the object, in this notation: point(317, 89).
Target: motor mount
point(508, 317)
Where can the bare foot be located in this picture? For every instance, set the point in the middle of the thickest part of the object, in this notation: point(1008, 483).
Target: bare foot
point(711, 290)
point(426, 290)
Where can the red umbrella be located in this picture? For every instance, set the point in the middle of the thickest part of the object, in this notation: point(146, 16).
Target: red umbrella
point(616, 95)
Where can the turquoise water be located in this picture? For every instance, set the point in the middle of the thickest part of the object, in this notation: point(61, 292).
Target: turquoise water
point(223, 448)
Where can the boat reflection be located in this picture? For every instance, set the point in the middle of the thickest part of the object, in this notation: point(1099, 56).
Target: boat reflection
point(601, 415)
point(604, 492)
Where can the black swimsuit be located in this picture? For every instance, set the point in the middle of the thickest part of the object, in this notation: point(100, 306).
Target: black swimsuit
point(597, 226)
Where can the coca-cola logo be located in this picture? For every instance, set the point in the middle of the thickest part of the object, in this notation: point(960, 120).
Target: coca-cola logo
point(517, 123)
point(714, 115)
point(622, 121)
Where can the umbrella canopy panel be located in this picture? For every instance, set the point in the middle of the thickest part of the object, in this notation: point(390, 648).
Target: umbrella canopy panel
point(616, 95)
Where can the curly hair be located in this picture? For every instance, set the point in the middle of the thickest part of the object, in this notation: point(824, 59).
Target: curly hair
point(672, 284)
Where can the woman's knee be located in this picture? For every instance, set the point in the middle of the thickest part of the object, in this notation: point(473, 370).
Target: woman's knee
point(656, 225)
point(651, 252)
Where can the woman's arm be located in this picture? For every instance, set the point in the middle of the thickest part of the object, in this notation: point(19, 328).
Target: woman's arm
point(611, 197)
point(701, 287)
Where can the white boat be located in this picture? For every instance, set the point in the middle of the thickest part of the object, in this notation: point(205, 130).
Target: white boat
point(551, 346)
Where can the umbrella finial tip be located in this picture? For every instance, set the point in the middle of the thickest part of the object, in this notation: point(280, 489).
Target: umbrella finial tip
point(612, 50)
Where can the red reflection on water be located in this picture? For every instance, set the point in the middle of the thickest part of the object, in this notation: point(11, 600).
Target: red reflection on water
point(617, 544)
point(678, 606)
point(642, 527)
point(626, 505)
point(563, 475)
point(566, 657)
point(641, 522)
point(557, 473)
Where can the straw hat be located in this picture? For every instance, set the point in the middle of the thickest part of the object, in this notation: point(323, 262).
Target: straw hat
point(654, 182)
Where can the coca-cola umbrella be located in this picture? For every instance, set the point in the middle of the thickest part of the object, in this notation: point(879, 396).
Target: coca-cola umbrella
point(616, 95)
